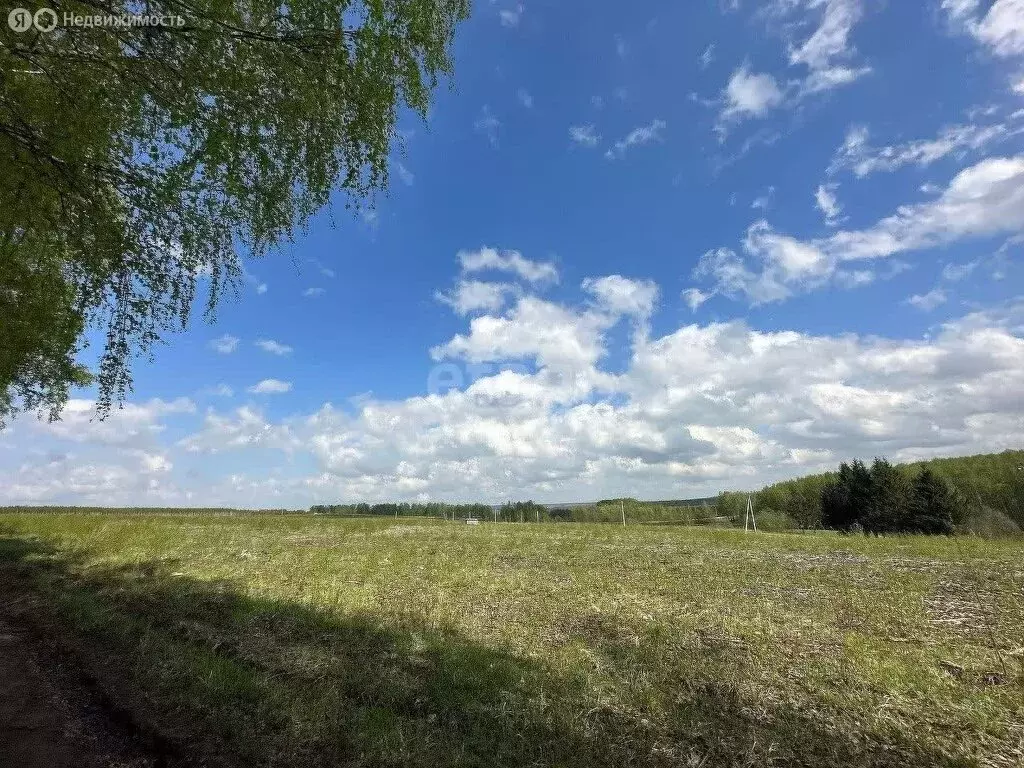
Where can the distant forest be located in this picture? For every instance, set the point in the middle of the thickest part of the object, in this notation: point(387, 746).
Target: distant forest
point(982, 494)
point(985, 494)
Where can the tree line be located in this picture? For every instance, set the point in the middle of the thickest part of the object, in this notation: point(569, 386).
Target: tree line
point(605, 511)
point(440, 510)
point(981, 494)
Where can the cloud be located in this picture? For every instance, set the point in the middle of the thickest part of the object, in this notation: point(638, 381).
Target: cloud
point(645, 134)
point(701, 408)
point(698, 409)
point(534, 330)
point(407, 176)
point(749, 94)
point(621, 49)
point(245, 427)
point(322, 268)
point(857, 155)
point(132, 423)
point(584, 135)
point(474, 295)
point(826, 79)
point(829, 42)
point(225, 344)
point(124, 480)
point(274, 347)
point(525, 98)
point(155, 462)
point(956, 272)
point(831, 38)
point(928, 301)
point(261, 288)
point(622, 295)
point(826, 201)
point(1000, 29)
point(270, 387)
point(694, 297)
point(764, 202)
point(488, 125)
point(985, 199)
point(733, 278)
point(222, 390)
point(486, 259)
point(312, 293)
point(510, 17)
point(707, 57)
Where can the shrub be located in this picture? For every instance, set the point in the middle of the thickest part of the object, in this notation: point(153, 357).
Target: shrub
point(774, 520)
point(990, 523)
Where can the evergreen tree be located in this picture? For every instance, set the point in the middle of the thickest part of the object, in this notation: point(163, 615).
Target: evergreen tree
point(934, 505)
point(887, 509)
point(835, 507)
point(844, 501)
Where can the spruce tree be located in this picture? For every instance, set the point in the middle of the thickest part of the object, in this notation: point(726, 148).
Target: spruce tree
point(838, 507)
point(888, 507)
point(933, 507)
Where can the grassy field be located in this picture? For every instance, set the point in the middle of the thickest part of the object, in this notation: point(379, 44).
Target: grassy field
point(300, 641)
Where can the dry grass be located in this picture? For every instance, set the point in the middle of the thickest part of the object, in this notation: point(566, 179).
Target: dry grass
point(299, 641)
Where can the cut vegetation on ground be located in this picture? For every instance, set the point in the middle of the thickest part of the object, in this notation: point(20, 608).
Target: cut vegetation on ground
point(301, 641)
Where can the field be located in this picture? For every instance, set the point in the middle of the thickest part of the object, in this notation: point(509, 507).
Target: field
point(302, 641)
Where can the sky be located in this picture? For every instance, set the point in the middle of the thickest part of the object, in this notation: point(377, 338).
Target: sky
point(656, 250)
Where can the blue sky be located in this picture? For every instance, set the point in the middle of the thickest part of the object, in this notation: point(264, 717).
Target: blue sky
point(658, 251)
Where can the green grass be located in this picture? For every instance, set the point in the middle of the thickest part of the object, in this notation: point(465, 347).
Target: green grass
point(298, 641)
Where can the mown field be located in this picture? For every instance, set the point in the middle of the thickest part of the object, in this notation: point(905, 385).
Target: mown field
point(300, 641)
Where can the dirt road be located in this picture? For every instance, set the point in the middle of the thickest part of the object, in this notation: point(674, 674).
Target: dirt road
point(48, 717)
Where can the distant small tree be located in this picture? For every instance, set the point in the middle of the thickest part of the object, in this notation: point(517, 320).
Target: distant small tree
point(888, 508)
point(804, 508)
point(732, 505)
point(933, 507)
point(844, 500)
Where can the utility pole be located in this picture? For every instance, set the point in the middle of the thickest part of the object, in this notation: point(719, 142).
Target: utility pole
point(622, 509)
point(748, 518)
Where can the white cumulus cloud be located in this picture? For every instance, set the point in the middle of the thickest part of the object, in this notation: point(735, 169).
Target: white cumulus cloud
point(274, 347)
point(985, 199)
point(270, 387)
point(585, 135)
point(475, 295)
point(928, 301)
point(486, 259)
point(225, 344)
point(1000, 28)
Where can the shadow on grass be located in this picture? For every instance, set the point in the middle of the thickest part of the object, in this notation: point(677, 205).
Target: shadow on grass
point(237, 680)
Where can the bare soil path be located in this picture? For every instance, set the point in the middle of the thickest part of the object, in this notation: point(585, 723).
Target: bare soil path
point(50, 717)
